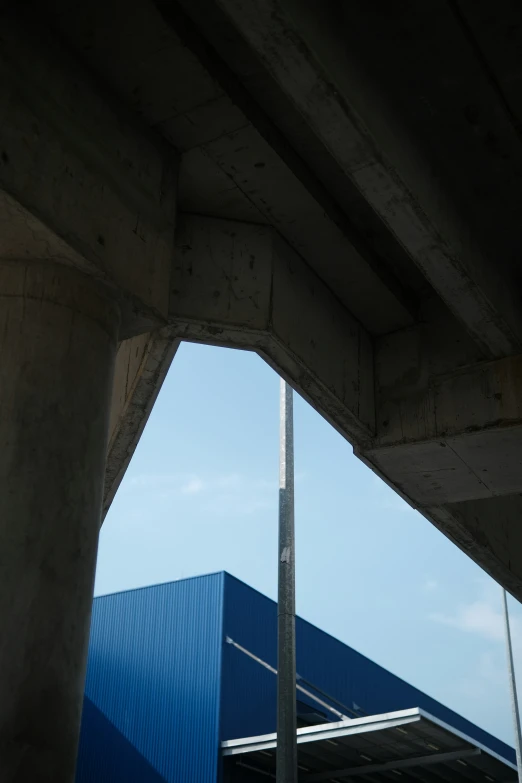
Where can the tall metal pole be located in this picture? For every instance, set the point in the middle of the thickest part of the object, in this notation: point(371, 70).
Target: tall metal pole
point(286, 771)
point(513, 688)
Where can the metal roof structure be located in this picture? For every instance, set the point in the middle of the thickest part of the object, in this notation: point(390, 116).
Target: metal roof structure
point(410, 744)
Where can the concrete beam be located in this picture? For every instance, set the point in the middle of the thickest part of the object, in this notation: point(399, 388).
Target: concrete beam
point(489, 531)
point(241, 285)
point(457, 439)
point(249, 172)
point(80, 182)
point(301, 115)
point(297, 43)
point(449, 438)
point(142, 364)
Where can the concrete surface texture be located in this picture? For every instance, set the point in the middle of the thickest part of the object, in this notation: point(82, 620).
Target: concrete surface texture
point(335, 185)
point(58, 337)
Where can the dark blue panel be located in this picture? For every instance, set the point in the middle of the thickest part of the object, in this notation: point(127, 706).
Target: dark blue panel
point(249, 691)
point(105, 756)
point(248, 706)
point(154, 673)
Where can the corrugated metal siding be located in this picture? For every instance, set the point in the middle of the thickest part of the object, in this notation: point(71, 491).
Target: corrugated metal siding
point(105, 755)
point(154, 674)
point(248, 705)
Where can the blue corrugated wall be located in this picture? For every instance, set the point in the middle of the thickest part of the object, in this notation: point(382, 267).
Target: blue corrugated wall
point(163, 687)
point(248, 703)
point(153, 685)
point(105, 754)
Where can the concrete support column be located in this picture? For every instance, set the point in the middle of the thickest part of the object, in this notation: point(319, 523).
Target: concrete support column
point(58, 339)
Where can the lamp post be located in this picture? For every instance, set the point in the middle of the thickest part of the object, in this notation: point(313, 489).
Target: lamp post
point(513, 688)
point(286, 756)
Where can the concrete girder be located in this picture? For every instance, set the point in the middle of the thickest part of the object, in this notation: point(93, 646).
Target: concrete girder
point(81, 182)
point(235, 163)
point(142, 363)
point(311, 226)
point(465, 466)
point(489, 531)
point(66, 227)
point(457, 438)
point(241, 285)
point(449, 439)
point(295, 44)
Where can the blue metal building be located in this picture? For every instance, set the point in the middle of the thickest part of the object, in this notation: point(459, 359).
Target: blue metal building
point(176, 669)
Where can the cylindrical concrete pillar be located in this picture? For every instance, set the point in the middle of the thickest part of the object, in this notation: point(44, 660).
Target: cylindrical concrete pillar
point(58, 337)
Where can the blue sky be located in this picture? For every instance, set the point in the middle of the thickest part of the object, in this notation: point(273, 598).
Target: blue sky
point(201, 495)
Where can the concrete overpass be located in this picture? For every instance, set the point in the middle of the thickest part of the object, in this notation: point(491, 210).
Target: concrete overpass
point(334, 185)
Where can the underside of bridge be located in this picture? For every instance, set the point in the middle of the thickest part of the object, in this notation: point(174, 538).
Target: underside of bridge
point(333, 184)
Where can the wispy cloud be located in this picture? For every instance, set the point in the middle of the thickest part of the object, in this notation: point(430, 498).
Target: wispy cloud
point(237, 494)
point(479, 617)
point(484, 617)
point(243, 504)
point(219, 494)
point(176, 483)
point(152, 480)
point(193, 486)
point(430, 585)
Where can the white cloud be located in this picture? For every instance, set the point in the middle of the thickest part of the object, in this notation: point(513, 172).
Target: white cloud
point(485, 618)
point(240, 495)
point(430, 585)
point(222, 495)
point(479, 617)
point(193, 486)
point(150, 480)
point(166, 483)
point(232, 504)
